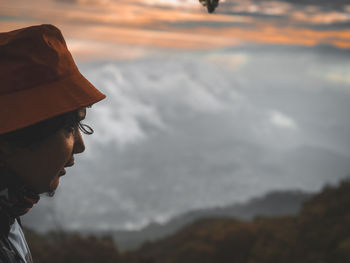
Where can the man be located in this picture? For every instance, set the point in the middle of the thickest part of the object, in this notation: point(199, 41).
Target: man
point(43, 99)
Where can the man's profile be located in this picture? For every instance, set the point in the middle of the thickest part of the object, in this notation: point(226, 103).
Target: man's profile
point(43, 100)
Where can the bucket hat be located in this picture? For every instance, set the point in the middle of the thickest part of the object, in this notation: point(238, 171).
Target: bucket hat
point(38, 78)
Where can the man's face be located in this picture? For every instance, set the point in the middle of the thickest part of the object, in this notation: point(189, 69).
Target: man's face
point(42, 166)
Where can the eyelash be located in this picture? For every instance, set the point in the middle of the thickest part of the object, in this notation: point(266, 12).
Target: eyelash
point(84, 128)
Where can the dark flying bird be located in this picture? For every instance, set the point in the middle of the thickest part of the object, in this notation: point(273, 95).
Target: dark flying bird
point(210, 4)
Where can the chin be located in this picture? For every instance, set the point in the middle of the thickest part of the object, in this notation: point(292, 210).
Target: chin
point(53, 185)
point(51, 193)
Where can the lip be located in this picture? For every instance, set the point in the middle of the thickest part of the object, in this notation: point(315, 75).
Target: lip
point(71, 163)
point(62, 172)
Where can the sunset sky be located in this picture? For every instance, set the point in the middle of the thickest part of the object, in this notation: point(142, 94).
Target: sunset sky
point(202, 109)
point(94, 28)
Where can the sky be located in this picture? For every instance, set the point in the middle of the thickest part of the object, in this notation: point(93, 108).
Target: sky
point(202, 109)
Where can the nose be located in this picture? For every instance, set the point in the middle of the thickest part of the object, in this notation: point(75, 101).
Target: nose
point(79, 145)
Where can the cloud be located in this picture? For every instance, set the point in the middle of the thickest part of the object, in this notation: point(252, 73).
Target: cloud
point(98, 25)
point(85, 2)
point(228, 61)
point(256, 8)
point(90, 50)
point(201, 110)
point(123, 117)
point(320, 18)
point(67, 1)
point(339, 77)
point(275, 125)
point(321, 3)
point(281, 120)
point(335, 73)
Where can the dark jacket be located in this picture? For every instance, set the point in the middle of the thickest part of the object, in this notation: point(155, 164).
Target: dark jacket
point(8, 253)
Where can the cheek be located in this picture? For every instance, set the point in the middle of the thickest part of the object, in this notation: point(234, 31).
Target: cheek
point(40, 168)
point(58, 157)
point(59, 152)
point(42, 172)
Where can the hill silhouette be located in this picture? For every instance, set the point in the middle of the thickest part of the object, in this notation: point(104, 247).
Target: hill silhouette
point(277, 203)
point(319, 233)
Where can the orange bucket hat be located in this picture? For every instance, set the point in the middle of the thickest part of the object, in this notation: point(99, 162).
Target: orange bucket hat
point(38, 78)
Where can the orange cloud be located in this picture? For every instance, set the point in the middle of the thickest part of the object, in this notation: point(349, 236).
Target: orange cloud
point(108, 25)
point(320, 17)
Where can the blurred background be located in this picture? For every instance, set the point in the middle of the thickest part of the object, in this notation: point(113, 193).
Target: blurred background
point(202, 110)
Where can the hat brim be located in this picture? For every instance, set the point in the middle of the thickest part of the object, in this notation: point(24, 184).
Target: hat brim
point(46, 101)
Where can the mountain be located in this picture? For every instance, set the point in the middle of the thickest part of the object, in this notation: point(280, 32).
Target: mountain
point(278, 203)
point(319, 233)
